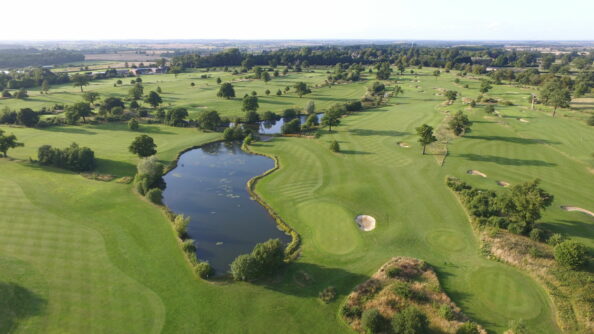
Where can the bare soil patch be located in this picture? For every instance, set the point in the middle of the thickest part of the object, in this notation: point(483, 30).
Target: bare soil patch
point(502, 183)
point(575, 208)
point(475, 172)
point(523, 120)
point(403, 144)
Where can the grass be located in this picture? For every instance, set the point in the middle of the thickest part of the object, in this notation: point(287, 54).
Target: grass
point(94, 257)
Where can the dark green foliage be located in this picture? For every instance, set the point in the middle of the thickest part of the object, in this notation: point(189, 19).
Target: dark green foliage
point(459, 123)
point(21, 94)
point(290, 113)
point(176, 116)
point(149, 175)
point(485, 86)
point(555, 239)
point(383, 71)
point(311, 121)
point(136, 92)
point(446, 312)
point(402, 289)
point(269, 116)
point(301, 89)
point(591, 120)
point(110, 103)
point(451, 95)
point(264, 260)
point(234, 133)
point(334, 146)
point(468, 328)
point(7, 142)
point(252, 117)
point(328, 294)
point(74, 157)
point(489, 109)
point(377, 88)
point(80, 80)
point(331, 118)
point(354, 106)
point(8, 116)
point(203, 270)
point(143, 146)
point(155, 195)
point(293, 126)
point(410, 321)
point(537, 234)
point(571, 254)
point(393, 272)
point(72, 116)
point(250, 103)
point(426, 137)
point(248, 139)
point(133, 124)
point(226, 91)
point(27, 117)
point(524, 203)
point(350, 311)
point(209, 119)
point(555, 94)
point(372, 321)
point(153, 99)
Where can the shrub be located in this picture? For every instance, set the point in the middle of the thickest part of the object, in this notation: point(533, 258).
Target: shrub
point(591, 120)
point(410, 320)
point(133, 124)
point(393, 272)
point(289, 113)
point(179, 224)
point(537, 234)
point(350, 311)
point(334, 146)
point(293, 126)
point(74, 157)
point(489, 109)
point(188, 246)
point(570, 254)
point(27, 117)
point(243, 268)
point(372, 321)
point(264, 259)
point(402, 289)
point(446, 312)
point(555, 239)
point(155, 195)
point(143, 146)
point(468, 328)
point(203, 269)
point(328, 294)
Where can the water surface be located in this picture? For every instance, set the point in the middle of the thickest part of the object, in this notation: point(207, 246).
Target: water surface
point(209, 185)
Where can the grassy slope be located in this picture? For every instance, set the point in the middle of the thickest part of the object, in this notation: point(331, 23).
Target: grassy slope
point(124, 242)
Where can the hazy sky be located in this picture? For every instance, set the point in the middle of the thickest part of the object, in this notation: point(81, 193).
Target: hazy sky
point(305, 19)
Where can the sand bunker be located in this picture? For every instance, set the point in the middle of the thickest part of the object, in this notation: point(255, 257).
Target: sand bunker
point(523, 120)
point(475, 172)
point(365, 223)
point(575, 208)
point(502, 183)
point(405, 145)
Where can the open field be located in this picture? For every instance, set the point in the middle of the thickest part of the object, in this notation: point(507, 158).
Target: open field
point(94, 257)
point(203, 96)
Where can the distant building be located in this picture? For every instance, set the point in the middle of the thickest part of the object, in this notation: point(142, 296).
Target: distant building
point(149, 70)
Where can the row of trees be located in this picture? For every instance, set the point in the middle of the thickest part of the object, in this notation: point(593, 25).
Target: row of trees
point(74, 157)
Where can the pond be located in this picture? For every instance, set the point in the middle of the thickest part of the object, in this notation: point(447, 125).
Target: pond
point(209, 186)
point(274, 127)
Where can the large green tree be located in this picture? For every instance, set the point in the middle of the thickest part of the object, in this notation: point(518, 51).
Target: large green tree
point(250, 103)
point(331, 118)
point(7, 142)
point(301, 89)
point(426, 137)
point(143, 146)
point(153, 99)
point(80, 80)
point(209, 119)
point(555, 94)
point(459, 123)
point(524, 204)
point(226, 91)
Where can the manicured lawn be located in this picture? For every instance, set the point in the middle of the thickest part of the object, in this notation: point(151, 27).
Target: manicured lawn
point(93, 257)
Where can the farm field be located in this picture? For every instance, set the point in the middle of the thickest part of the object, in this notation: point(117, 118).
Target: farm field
point(79, 255)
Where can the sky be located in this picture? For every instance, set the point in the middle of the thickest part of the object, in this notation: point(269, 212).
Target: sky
point(302, 19)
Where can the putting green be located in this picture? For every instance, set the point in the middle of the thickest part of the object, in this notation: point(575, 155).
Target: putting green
point(335, 231)
point(507, 293)
point(446, 240)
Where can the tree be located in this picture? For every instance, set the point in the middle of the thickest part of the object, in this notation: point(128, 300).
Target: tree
point(219, 81)
point(571, 254)
point(72, 115)
point(250, 103)
point(27, 117)
point(265, 76)
point(209, 119)
point(436, 74)
point(334, 146)
point(279, 93)
point(485, 86)
point(301, 89)
point(153, 99)
point(468, 328)
point(136, 92)
point(226, 91)
point(377, 88)
point(244, 268)
point(73, 157)
point(6, 93)
point(80, 80)
point(269, 255)
point(83, 110)
point(451, 95)
point(459, 123)
point(133, 124)
point(252, 116)
point(21, 94)
point(371, 321)
point(489, 109)
point(331, 118)
point(91, 97)
point(383, 71)
point(410, 321)
point(524, 203)
point(426, 137)
point(398, 90)
point(143, 146)
point(159, 90)
point(310, 107)
point(7, 142)
point(293, 126)
point(176, 116)
point(553, 93)
point(45, 87)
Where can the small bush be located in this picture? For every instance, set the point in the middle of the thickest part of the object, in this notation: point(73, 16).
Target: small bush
point(350, 311)
point(393, 272)
point(468, 328)
point(334, 146)
point(133, 124)
point(489, 109)
point(591, 120)
point(537, 234)
point(571, 254)
point(446, 312)
point(328, 294)
point(402, 289)
point(410, 320)
point(203, 269)
point(188, 246)
point(180, 223)
point(155, 195)
point(555, 239)
point(372, 321)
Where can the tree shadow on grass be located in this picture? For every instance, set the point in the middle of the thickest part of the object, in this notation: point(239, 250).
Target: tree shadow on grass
point(369, 132)
point(17, 304)
point(515, 140)
point(506, 161)
point(70, 129)
point(114, 167)
point(354, 152)
point(144, 128)
point(308, 279)
point(572, 227)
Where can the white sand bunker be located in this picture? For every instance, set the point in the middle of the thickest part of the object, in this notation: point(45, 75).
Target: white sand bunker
point(502, 183)
point(475, 172)
point(402, 144)
point(575, 208)
point(523, 120)
point(365, 223)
